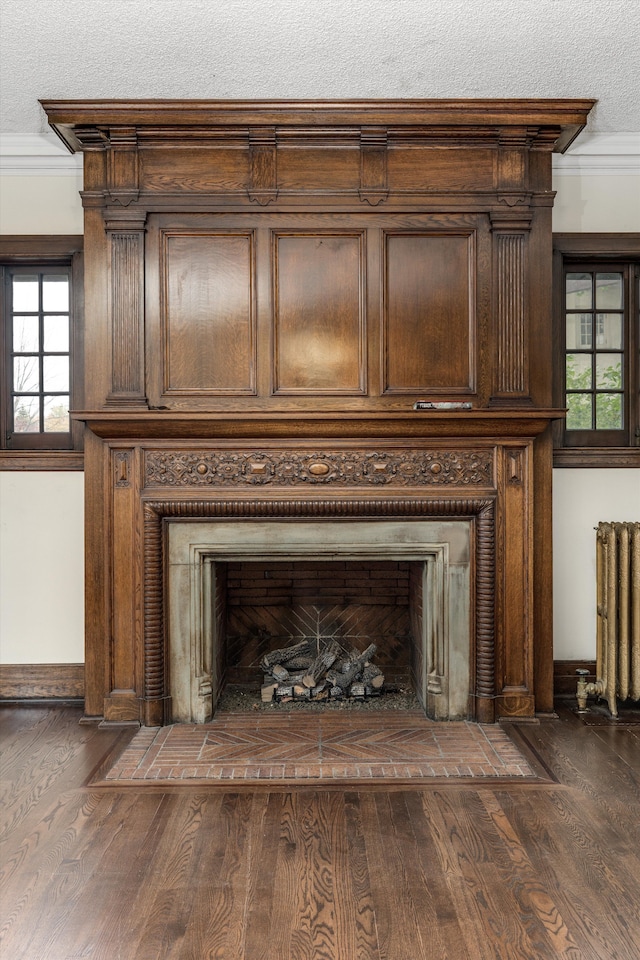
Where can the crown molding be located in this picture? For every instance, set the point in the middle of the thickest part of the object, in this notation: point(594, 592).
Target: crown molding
point(600, 154)
point(36, 154)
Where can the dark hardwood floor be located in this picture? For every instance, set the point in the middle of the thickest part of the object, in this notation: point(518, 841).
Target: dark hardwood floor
point(462, 871)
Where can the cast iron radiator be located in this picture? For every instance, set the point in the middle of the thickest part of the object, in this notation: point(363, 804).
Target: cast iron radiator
point(618, 611)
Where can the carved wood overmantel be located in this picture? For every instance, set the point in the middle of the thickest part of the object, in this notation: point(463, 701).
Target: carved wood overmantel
point(317, 309)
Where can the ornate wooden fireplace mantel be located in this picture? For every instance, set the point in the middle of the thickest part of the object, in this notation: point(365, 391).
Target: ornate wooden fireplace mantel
point(271, 287)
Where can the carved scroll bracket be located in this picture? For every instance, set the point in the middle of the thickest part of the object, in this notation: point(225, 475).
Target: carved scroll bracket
point(514, 144)
point(514, 216)
point(123, 179)
point(129, 220)
point(94, 146)
point(517, 136)
point(264, 166)
point(373, 165)
point(90, 138)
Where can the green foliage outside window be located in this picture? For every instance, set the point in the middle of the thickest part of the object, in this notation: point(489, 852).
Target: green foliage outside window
point(581, 397)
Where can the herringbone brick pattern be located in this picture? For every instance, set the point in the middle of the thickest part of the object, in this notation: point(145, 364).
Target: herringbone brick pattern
point(253, 631)
point(320, 748)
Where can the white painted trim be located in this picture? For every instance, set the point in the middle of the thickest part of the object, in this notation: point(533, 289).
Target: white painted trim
point(600, 154)
point(38, 155)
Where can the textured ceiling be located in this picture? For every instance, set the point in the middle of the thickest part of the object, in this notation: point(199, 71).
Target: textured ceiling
point(246, 49)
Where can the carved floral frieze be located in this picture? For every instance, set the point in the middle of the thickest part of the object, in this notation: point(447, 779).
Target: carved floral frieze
point(289, 468)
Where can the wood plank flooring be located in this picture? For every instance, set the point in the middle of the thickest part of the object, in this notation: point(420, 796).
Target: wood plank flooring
point(453, 871)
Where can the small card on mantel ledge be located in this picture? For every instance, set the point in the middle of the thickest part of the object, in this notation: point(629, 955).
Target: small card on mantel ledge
point(442, 405)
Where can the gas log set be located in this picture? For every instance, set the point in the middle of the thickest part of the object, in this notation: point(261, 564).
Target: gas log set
point(317, 669)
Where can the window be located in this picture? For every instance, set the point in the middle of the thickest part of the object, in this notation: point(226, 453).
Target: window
point(597, 324)
point(42, 339)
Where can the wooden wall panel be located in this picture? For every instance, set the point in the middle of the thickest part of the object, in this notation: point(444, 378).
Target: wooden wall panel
point(432, 170)
point(319, 313)
point(301, 168)
point(209, 316)
point(429, 314)
point(195, 169)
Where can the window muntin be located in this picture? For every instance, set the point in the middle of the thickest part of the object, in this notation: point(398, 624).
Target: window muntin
point(38, 334)
point(594, 350)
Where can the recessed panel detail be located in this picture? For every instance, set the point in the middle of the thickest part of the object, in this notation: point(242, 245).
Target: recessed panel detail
point(429, 314)
point(319, 337)
point(209, 316)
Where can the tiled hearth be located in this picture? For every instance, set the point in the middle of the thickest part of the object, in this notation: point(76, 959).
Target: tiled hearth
point(321, 748)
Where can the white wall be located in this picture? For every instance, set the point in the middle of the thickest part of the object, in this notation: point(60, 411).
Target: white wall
point(41, 204)
point(41, 568)
point(41, 514)
point(596, 204)
point(581, 499)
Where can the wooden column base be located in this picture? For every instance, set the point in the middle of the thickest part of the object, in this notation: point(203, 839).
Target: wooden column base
point(155, 713)
point(122, 706)
point(485, 710)
point(517, 705)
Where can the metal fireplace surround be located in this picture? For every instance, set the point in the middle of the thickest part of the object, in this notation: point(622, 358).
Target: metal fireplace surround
point(318, 311)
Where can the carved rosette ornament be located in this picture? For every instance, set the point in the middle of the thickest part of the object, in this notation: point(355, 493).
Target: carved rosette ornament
point(310, 468)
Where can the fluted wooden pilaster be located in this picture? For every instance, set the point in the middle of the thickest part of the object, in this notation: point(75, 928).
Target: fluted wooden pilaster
point(127, 318)
point(511, 313)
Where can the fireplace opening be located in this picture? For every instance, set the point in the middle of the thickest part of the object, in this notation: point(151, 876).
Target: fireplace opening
point(344, 606)
point(238, 590)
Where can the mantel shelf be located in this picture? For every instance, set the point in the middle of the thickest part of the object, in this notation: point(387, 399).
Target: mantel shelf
point(349, 425)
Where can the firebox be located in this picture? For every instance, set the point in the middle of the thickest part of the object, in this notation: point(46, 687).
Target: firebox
point(238, 589)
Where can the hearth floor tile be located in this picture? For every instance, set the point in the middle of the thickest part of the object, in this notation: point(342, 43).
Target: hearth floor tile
point(319, 748)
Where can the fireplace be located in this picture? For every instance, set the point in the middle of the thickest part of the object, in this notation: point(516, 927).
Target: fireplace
point(238, 589)
point(306, 319)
